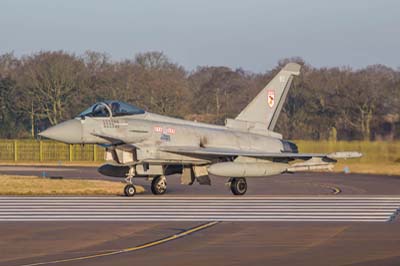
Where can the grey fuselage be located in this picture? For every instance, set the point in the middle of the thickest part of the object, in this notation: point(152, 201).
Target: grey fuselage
point(149, 132)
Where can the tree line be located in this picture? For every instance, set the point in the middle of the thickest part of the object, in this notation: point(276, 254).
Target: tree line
point(338, 103)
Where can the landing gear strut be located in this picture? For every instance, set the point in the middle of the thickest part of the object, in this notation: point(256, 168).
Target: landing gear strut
point(130, 189)
point(159, 185)
point(238, 185)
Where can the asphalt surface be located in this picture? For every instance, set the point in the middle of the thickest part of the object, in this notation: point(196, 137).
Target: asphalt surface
point(211, 239)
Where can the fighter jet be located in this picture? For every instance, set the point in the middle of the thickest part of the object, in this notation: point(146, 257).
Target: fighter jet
point(143, 144)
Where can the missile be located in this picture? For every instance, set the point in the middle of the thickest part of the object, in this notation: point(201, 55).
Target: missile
point(236, 169)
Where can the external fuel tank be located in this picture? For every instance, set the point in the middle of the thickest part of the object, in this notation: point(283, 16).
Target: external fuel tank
point(247, 169)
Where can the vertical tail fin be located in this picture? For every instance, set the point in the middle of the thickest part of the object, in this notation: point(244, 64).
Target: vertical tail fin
point(267, 105)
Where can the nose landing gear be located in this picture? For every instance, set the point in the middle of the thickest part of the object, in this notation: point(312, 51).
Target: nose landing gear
point(158, 184)
point(130, 189)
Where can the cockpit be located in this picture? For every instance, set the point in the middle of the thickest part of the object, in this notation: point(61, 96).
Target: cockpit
point(111, 109)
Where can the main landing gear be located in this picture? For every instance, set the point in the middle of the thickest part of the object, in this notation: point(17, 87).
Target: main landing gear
point(238, 185)
point(159, 185)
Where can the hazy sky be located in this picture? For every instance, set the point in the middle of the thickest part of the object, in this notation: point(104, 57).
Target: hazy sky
point(253, 34)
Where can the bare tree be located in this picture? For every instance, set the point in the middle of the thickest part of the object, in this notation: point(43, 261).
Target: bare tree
point(50, 80)
point(49, 87)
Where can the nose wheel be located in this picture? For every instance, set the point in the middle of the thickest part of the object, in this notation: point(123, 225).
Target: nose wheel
point(130, 190)
point(238, 186)
point(159, 185)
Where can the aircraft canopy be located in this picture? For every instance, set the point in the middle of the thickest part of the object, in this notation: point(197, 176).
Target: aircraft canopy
point(115, 108)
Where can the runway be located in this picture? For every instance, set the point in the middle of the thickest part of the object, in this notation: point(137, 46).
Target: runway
point(227, 209)
point(297, 219)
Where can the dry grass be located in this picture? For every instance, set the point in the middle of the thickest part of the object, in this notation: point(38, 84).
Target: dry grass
point(381, 168)
point(374, 152)
point(379, 157)
point(53, 163)
point(33, 185)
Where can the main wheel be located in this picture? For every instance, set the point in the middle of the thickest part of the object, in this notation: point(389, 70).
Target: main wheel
point(159, 185)
point(238, 186)
point(130, 190)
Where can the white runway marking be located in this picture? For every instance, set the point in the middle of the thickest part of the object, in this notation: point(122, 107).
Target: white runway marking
point(329, 209)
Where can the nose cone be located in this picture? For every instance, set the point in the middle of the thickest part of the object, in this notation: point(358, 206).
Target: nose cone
point(69, 132)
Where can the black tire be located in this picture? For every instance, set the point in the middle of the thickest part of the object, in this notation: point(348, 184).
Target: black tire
point(158, 185)
point(238, 186)
point(130, 190)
